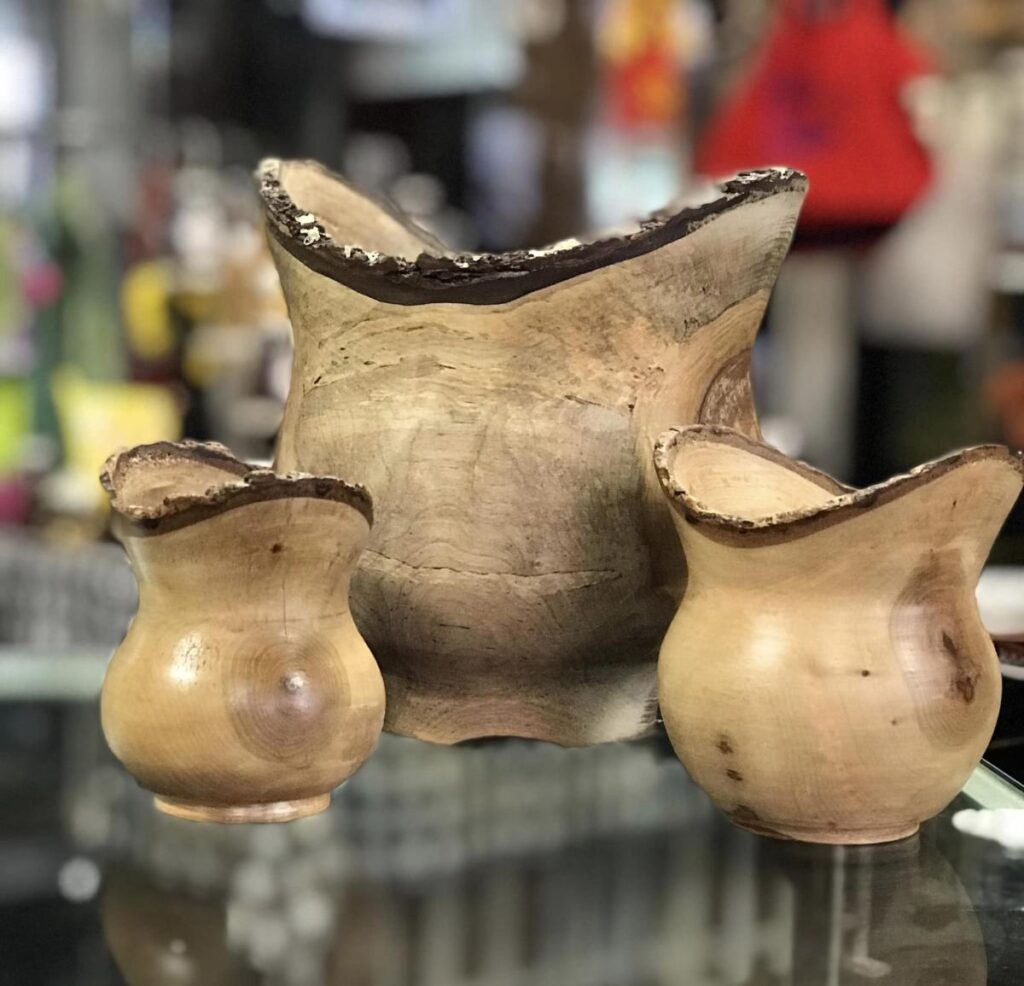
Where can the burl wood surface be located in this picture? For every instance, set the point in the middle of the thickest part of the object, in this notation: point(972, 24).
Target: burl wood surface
point(523, 569)
point(243, 690)
point(827, 677)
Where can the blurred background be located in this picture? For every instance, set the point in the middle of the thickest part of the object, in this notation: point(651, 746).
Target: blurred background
point(138, 300)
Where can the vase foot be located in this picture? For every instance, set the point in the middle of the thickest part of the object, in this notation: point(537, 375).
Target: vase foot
point(273, 811)
point(611, 705)
point(830, 836)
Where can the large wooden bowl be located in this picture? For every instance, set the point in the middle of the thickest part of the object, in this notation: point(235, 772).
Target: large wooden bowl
point(502, 409)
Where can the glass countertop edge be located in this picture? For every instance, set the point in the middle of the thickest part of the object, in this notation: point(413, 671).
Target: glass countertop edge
point(990, 788)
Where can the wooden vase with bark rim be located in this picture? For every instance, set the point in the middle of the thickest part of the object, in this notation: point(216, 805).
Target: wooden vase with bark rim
point(502, 408)
point(243, 691)
point(827, 677)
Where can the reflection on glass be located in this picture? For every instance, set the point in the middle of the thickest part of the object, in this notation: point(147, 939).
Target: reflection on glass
point(166, 939)
point(894, 914)
point(702, 904)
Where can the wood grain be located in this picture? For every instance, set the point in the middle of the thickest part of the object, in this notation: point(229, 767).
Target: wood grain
point(827, 677)
point(502, 409)
point(243, 690)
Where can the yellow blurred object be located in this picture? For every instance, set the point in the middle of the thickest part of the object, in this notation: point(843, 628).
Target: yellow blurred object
point(993, 20)
point(15, 422)
point(198, 369)
point(145, 293)
point(98, 417)
point(631, 27)
point(198, 305)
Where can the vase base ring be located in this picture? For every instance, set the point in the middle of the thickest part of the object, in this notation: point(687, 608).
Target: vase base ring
point(834, 837)
point(271, 811)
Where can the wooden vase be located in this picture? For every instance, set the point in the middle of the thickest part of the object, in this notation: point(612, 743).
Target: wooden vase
point(502, 409)
point(827, 677)
point(243, 691)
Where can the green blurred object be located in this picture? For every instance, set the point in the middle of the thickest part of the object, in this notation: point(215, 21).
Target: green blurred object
point(83, 327)
point(15, 422)
point(12, 308)
point(88, 252)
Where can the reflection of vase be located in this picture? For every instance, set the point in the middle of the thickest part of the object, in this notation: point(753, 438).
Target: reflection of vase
point(160, 938)
point(889, 914)
point(502, 408)
point(827, 676)
point(243, 691)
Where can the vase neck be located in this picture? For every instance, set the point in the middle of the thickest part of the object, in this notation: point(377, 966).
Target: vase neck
point(943, 518)
point(291, 556)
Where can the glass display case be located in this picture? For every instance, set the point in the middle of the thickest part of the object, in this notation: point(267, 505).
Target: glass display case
point(497, 862)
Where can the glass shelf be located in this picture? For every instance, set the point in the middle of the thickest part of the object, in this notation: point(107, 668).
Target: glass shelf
point(501, 862)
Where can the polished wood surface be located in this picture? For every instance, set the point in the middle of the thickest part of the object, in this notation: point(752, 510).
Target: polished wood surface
point(243, 690)
point(523, 570)
point(827, 677)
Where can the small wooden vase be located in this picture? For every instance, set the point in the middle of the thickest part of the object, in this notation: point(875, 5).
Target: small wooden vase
point(827, 677)
point(243, 691)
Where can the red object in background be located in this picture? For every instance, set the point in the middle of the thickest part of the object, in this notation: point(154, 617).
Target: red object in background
point(824, 95)
point(41, 284)
point(15, 500)
point(646, 91)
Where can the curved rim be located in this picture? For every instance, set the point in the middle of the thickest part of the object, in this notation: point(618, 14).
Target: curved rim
point(243, 484)
point(489, 278)
point(845, 500)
